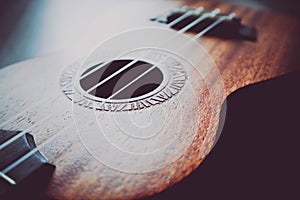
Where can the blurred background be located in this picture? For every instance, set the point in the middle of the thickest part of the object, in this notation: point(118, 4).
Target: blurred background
point(31, 28)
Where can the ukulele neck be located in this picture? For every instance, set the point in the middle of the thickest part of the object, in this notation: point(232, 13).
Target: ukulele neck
point(246, 48)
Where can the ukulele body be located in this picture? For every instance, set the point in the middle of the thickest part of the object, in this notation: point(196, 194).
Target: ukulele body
point(39, 96)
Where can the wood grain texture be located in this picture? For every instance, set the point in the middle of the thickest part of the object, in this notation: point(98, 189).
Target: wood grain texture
point(78, 174)
point(275, 53)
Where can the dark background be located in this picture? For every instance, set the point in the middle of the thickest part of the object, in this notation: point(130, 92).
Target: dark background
point(31, 28)
point(257, 155)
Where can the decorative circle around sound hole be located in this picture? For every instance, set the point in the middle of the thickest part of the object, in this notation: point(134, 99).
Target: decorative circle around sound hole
point(138, 80)
point(121, 79)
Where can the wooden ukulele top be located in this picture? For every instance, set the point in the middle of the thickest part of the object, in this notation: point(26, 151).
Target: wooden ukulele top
point(242, 63)
point(78, 174)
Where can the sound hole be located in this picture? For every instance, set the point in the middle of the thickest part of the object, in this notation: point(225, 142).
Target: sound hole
point(121, 80)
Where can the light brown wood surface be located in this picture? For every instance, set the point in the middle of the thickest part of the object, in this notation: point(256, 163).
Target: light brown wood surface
point(274, 54)
point(78, 174)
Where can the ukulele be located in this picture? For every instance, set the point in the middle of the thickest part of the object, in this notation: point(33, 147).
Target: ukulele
point(142, 110)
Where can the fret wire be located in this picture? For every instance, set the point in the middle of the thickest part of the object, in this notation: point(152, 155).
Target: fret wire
point(36, 149)
point(180, 9)
point(220, 20)
point(185, 15)
point(188, 26)
point(189, 13)
point(8, 179)
point(199, 19)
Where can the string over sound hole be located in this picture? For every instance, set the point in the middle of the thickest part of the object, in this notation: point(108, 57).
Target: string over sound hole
point(121, 79)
